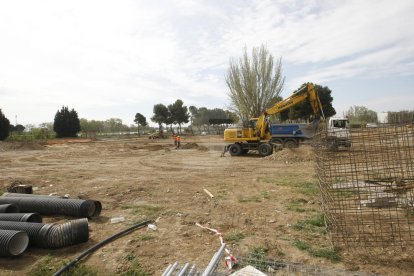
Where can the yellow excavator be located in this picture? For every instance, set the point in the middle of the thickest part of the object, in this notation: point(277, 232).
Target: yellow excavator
point(257, 136)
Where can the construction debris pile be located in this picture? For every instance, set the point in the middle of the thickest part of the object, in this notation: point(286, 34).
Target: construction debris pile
point(21, 222)
point(368, 189)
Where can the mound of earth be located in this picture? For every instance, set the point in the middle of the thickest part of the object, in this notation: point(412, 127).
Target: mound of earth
point(153, 147)
point(202, 148)
point(190, 145)
point(8, 146)
point(286, 155)
point(68, 140)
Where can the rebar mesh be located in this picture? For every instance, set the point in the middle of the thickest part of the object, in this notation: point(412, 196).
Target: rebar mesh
point(262, 266)
point(367, 189)
point(283, 268)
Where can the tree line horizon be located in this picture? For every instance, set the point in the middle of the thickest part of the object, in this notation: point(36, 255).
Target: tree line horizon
point(254, 81)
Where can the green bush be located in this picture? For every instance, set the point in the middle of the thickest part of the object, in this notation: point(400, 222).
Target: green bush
point(327, 253)
point(67, 123)
point(4, 126)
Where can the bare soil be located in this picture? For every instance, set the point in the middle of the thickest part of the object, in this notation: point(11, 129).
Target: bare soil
point(255, 199)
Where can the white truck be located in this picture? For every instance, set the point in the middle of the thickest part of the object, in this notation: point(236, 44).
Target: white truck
point(338, 133)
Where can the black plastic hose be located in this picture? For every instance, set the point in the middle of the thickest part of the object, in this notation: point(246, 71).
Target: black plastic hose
point(92, 249)
point(9, 208)
point(13, 243)
point(55, 206)
point(51, 235)
point(27, 217)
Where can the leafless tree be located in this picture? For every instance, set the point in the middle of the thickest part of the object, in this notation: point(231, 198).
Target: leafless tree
point(254, 82)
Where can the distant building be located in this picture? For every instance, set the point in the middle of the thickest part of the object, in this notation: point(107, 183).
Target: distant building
point(382, 117)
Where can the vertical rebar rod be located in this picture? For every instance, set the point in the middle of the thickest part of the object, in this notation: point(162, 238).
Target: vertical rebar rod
point(193, 270)
point(167, 270)
point(172, 269)
point(184, 269)
point(214, 261)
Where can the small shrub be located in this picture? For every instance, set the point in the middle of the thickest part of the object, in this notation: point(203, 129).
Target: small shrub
point(129, 257)
point(42, 134)
point(326, 253)
point(318, 220)
point(280, 253)
point(252, 198)
point(409, 213)
point(145, 237)
point(258, 252)
point(265, 194)
point(148, 211)
point(234, 237)
point(222, 194)
point(301, 245)
point(307, 188)
point(136, 270)
point(296, 206)
point(48, 265)
point(315, 224)
point(257, 257)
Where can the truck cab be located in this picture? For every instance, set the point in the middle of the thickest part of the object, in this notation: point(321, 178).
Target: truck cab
point(338, 132)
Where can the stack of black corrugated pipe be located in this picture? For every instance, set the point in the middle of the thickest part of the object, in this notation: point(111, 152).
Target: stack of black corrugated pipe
point(18, 230)
point(53, 205)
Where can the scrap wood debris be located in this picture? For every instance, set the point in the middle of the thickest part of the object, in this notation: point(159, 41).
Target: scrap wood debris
point(207, 192)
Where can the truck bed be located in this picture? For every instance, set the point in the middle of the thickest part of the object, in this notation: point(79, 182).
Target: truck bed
point(291, 130)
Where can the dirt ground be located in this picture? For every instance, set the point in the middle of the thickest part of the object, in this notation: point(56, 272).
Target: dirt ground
point(256, 203)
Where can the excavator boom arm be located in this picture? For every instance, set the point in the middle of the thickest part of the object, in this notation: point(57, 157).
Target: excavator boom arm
point(307, 91)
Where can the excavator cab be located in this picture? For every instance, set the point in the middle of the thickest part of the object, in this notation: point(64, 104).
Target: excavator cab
point(252, 123)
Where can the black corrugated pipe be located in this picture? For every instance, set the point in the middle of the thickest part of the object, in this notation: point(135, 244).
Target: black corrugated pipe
point(98, 205)
point(52, 235)
point(92, 249)
point(55, 206)
point(9, 208)
point(27, 217)
point(13, 243)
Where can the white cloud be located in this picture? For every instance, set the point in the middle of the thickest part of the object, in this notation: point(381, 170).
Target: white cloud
point(131, 55)
point(335, 39)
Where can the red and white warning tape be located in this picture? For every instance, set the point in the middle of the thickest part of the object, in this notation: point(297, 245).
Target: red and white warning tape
point(229, 259)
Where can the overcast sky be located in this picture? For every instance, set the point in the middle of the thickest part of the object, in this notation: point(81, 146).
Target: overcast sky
point(112, 59)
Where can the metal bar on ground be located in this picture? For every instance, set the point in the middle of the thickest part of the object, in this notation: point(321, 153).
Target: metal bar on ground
point(193, 270)
point(184, 269)
point(171, 271)
point(167, 270)
point(214, 261)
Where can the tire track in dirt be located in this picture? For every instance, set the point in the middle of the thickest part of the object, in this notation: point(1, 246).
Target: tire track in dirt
point(183, 161)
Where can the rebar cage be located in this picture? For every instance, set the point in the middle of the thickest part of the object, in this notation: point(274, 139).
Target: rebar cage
point(367, 187)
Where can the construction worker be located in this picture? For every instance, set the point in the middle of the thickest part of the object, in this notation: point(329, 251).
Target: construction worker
point(178, 140)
